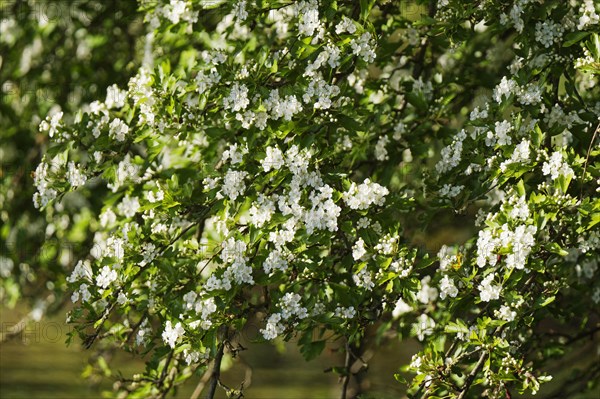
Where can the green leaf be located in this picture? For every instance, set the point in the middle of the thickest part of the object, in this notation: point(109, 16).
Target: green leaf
point(416, 100)
point(541, 302)
point(312, 350)
point(574, 37)
point(458, 327)
point(521, 188)
point(365, 9)
point(556, 249)
point(400, 379)
point(595, 220)
point(594, 46)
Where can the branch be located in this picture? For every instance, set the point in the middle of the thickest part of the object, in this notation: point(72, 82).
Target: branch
point(200, 387)
point(472, 376)
point(216, 371)
point(587, 158)
point(163, 375)
point(136, 326)
point(420, 59)
point(91, 338)
point(347, 364)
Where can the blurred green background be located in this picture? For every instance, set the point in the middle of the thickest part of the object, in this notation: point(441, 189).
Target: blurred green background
point(37, 364)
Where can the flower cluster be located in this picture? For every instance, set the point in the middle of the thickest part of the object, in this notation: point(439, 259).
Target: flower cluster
point(363, 195)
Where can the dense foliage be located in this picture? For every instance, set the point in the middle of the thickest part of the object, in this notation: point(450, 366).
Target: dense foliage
point(54, 57)
point(278, 163)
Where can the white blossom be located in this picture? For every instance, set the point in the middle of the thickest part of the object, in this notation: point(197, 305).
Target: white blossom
point(277, 260)
point(386, 244)
point(82, 270)
point(127, 171)
point(115, 98)
point(239, 10)
point(290, 306)
point(172, 334)
point(41, 180)
point(84, 292)
point(178, 10)
point(345, 25)
point(487, 290)
point(206, 80)
point(237, 99)
point(447, 288)
point(107, 218)
point(486, 247)
point(427, 293)
point(75, 175)
point(52, 124)
point(363, 279)
point(446, 257)
point(106, 277)
point(424, 326)
point(520, 154)
point(450, 191)
point(261, 211)
point(118, 129)
point(129, 206)
point(547, 32)
point(505, 313)
point(273, 327)
point(122, 298)
point(324, 92)
point(362, 196)
point(588, 15)
point(233, 184)
point(358, 250)
point(234, 153)
point(504, 89)
point(364, 47)
point(273, 160)
point(555, 167)
point(324, 212)
point(284, 108)
point(451, 154)
point(345, 313)
point(401, 308)
point(309, 22)
point(381, 153)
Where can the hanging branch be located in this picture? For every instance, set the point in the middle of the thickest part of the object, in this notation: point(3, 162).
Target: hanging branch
point(216, 371)
point(347, 365)
point(472, 375)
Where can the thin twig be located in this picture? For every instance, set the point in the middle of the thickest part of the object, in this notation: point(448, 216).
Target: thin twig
point(91, 338)
point(200, 387)
point(136, 326)
point(587, 158)
point(216, 371)
point(472, 376)
point(163, 375)
point(347, 364)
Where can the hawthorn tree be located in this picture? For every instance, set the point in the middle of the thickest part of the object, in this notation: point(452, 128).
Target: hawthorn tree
point(272, 162)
